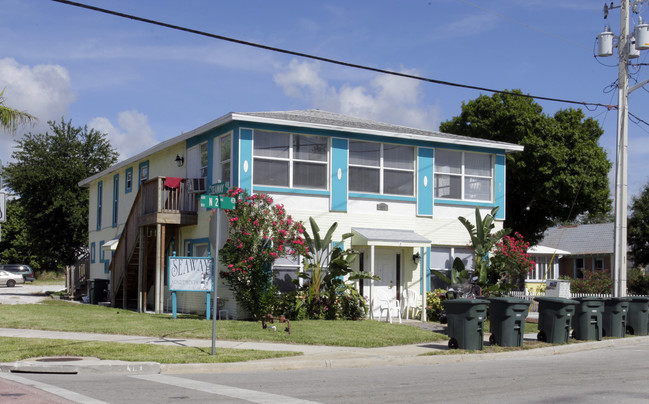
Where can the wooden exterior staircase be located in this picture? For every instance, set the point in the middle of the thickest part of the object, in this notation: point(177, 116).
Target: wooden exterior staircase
point(139, 260)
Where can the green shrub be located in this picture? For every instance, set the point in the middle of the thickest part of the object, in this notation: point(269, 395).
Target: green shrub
point(595, 282)
point(638, 283)
point(434, 304)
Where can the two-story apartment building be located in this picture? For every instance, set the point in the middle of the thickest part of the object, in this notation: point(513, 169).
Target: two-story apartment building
point(400, 191)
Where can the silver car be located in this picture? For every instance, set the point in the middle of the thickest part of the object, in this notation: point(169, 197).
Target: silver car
point(10, 279)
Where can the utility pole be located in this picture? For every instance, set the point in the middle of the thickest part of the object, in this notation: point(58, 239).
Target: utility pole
point(621, 161)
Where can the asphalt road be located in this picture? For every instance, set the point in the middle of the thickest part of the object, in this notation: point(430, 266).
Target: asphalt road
point(617, 374)
point(27, 293)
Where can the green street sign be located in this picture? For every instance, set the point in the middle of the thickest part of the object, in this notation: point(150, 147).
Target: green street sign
point(219, 188)
point(218, 202)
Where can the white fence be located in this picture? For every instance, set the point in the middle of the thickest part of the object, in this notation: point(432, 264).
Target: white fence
point(535, 305)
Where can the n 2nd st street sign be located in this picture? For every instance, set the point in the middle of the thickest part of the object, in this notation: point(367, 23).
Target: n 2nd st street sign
point(218, 202)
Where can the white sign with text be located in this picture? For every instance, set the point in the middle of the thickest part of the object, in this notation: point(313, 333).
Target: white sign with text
point(193, 274)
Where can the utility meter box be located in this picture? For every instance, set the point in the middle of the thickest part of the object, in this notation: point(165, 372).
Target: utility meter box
point(557, 288)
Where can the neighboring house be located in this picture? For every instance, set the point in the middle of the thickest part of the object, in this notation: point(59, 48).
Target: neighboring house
point(572, 250)
point(399, 190)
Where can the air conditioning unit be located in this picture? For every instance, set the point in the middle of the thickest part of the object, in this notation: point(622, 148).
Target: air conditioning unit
point(196, 185)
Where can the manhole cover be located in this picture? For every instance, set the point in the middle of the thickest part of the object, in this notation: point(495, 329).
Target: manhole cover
point(68, 359)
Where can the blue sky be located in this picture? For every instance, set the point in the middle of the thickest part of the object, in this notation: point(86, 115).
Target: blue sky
point(143, 84)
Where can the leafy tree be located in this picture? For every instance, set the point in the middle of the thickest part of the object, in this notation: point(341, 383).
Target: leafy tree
point(562, 173)
point(638, 227)
point(11, 119)
point(259, 232)
point(45, 175)
point(16, 245)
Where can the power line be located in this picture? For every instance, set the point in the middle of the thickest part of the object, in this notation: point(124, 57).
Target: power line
point(323, 59)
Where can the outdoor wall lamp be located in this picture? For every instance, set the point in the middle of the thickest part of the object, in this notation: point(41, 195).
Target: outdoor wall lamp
point(180, 160)
point(416, 257)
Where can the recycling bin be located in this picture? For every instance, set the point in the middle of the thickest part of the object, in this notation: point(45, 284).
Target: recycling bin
point(555, 316)
point(614, 317)
point(507, 320)
point(587, 321)
point(466, 322)
point(637, 318)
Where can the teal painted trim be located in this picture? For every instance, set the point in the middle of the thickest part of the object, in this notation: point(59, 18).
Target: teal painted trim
point(500, 185)
point(139, 172)
point(174, 307)
point(439, 201)
point(100, 196)
point(291, 190)
point(339, 174)
point(115, 200)
point(245, 159)
point(425, 191)
point(193, 242)
point(128, 180)
point(383, 197)
point(93, 256)
point(234, 163)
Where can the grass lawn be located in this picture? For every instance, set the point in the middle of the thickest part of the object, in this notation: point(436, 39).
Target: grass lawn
point(14, 349)
point(66, 316)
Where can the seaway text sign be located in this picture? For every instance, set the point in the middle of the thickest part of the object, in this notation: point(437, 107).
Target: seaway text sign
point(190, 274)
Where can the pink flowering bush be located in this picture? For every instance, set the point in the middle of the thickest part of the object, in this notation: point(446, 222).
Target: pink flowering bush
point(259, 233)
point(510, 263)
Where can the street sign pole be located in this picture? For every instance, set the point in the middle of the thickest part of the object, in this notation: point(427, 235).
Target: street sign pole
point(214, 282)
point(217, 201)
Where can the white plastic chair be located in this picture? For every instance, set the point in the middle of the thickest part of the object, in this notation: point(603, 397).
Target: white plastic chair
point(386, 302)
point(412, 303)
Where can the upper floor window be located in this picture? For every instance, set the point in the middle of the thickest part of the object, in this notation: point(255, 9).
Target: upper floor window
point(128, 181)
point(115, 200)
point(290, 160)
point(381, 168)
point(100, 195)
point(204, 157)
point(463, 175)
point(144, 171)
point(226, 156)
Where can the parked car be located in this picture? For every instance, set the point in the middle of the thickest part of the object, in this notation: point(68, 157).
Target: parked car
point(10, 279)
point(20, 269)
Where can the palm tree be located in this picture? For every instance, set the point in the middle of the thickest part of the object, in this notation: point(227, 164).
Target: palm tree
point(11, 119)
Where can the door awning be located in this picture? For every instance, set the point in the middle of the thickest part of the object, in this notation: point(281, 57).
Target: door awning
point(111, 245)
point(388, 238)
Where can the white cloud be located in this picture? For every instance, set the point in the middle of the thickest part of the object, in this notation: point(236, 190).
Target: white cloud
point(386, 98)
point(43, 91)
point(133, 135)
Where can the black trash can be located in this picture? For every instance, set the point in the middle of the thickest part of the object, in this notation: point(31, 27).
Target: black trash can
point(637, 318)
point(587, 322)
point(466, 322)
point(614, 317)
point(555, 316)
point(507, 320)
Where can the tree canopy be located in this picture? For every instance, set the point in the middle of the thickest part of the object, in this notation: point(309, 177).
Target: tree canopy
point(53, 208)
point(562, 173)
point(638, 227)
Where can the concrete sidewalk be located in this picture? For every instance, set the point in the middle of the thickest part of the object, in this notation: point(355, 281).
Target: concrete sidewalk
point(313, 356)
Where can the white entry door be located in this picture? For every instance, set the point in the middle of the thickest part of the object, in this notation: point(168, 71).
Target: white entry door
point(387, 266)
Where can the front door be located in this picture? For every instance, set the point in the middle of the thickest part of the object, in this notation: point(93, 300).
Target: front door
point(388, 268)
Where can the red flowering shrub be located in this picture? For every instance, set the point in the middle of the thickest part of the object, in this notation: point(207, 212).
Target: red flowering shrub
point(510, 260)
point(259, 232)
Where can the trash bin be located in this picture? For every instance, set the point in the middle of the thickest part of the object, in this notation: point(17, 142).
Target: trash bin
point(555, 315)
point(637, 317)
point(587, 322)
point(466, 322)
point(507, 320)
point(614, 317)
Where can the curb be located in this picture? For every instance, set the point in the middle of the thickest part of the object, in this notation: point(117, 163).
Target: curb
point(79, 365)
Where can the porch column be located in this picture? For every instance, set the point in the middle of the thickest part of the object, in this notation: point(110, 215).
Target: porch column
point(372, 282)
point(158, 261)
point(424, 275)
point(140, 270)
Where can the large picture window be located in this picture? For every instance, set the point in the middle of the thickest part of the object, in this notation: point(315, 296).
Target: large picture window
point(463, 175)
point(290, 160)
point(381, 168)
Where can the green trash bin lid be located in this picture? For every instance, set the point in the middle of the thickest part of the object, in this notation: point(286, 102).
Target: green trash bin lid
point(555, 300)
point(509, 300)
point(638, 299)
point(464, 301)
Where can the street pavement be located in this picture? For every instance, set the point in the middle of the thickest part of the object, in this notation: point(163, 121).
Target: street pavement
point(313, 356)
